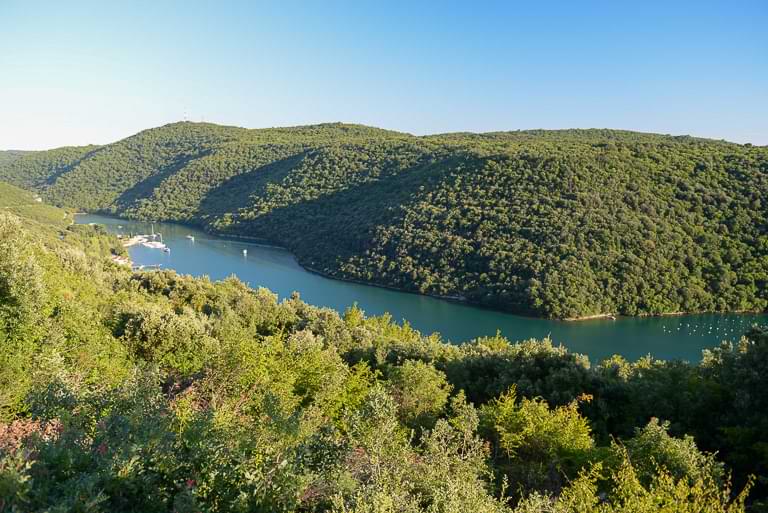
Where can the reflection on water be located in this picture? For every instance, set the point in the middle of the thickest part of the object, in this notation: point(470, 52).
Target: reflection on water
point(663, 337)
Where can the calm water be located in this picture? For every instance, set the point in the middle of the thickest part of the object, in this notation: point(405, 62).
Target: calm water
point(664, 337)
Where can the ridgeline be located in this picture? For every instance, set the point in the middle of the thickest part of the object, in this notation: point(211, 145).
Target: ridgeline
point(560, 224)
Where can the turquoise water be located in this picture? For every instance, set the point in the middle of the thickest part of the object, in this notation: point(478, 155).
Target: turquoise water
point(663, 337)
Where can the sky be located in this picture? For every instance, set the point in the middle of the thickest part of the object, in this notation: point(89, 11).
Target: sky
point(77, 72)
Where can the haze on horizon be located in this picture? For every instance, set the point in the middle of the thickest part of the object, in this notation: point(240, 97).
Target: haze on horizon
point(95, 73)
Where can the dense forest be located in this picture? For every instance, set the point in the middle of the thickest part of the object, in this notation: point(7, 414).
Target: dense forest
point(6, 157)
point(127, 391)
point(560, 224)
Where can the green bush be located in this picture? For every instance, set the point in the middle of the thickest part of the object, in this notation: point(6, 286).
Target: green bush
point(421, 393)
point(537, 446)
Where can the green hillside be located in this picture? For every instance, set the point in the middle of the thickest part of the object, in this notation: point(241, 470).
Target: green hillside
point(130, 391)
point(8, 156)
point(563, 223)
point(27, 205)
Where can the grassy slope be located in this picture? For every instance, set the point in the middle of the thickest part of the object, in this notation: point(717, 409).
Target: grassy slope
point(24, 204)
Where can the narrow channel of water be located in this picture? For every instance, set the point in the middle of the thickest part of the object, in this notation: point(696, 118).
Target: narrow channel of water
point(276, 269)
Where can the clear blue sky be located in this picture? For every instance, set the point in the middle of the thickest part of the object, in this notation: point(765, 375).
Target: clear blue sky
point(94, 72)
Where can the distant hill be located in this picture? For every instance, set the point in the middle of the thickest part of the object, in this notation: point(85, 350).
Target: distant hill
point(561, 223)
point(10, 155)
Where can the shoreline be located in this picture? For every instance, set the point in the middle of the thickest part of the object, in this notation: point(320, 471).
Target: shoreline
point(261, 242)
point(462, 300)
point(663, 314)
point(456, 299)
point(611, 316)
point(256, 241)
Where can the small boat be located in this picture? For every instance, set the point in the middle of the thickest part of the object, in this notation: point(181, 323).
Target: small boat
point(191, 237)
point(166, 249)
point(245, 252)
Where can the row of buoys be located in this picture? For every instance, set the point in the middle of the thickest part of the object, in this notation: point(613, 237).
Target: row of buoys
point(733, 327)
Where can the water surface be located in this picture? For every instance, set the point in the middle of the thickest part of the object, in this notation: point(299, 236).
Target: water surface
point(663, 337)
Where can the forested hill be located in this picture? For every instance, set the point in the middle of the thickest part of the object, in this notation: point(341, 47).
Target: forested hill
point(560, 223)
point(10, 155)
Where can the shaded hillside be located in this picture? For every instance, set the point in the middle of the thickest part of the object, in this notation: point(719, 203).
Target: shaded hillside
point(562, 223)
point(41, 169)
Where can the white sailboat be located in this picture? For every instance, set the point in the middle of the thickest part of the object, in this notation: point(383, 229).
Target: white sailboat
point(154, 244)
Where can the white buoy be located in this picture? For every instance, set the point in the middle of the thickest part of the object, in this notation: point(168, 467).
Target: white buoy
point(245, 252)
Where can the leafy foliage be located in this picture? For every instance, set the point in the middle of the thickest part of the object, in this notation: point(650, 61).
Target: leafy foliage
point(156, 392)
point(536, 445)
point(421, 392)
